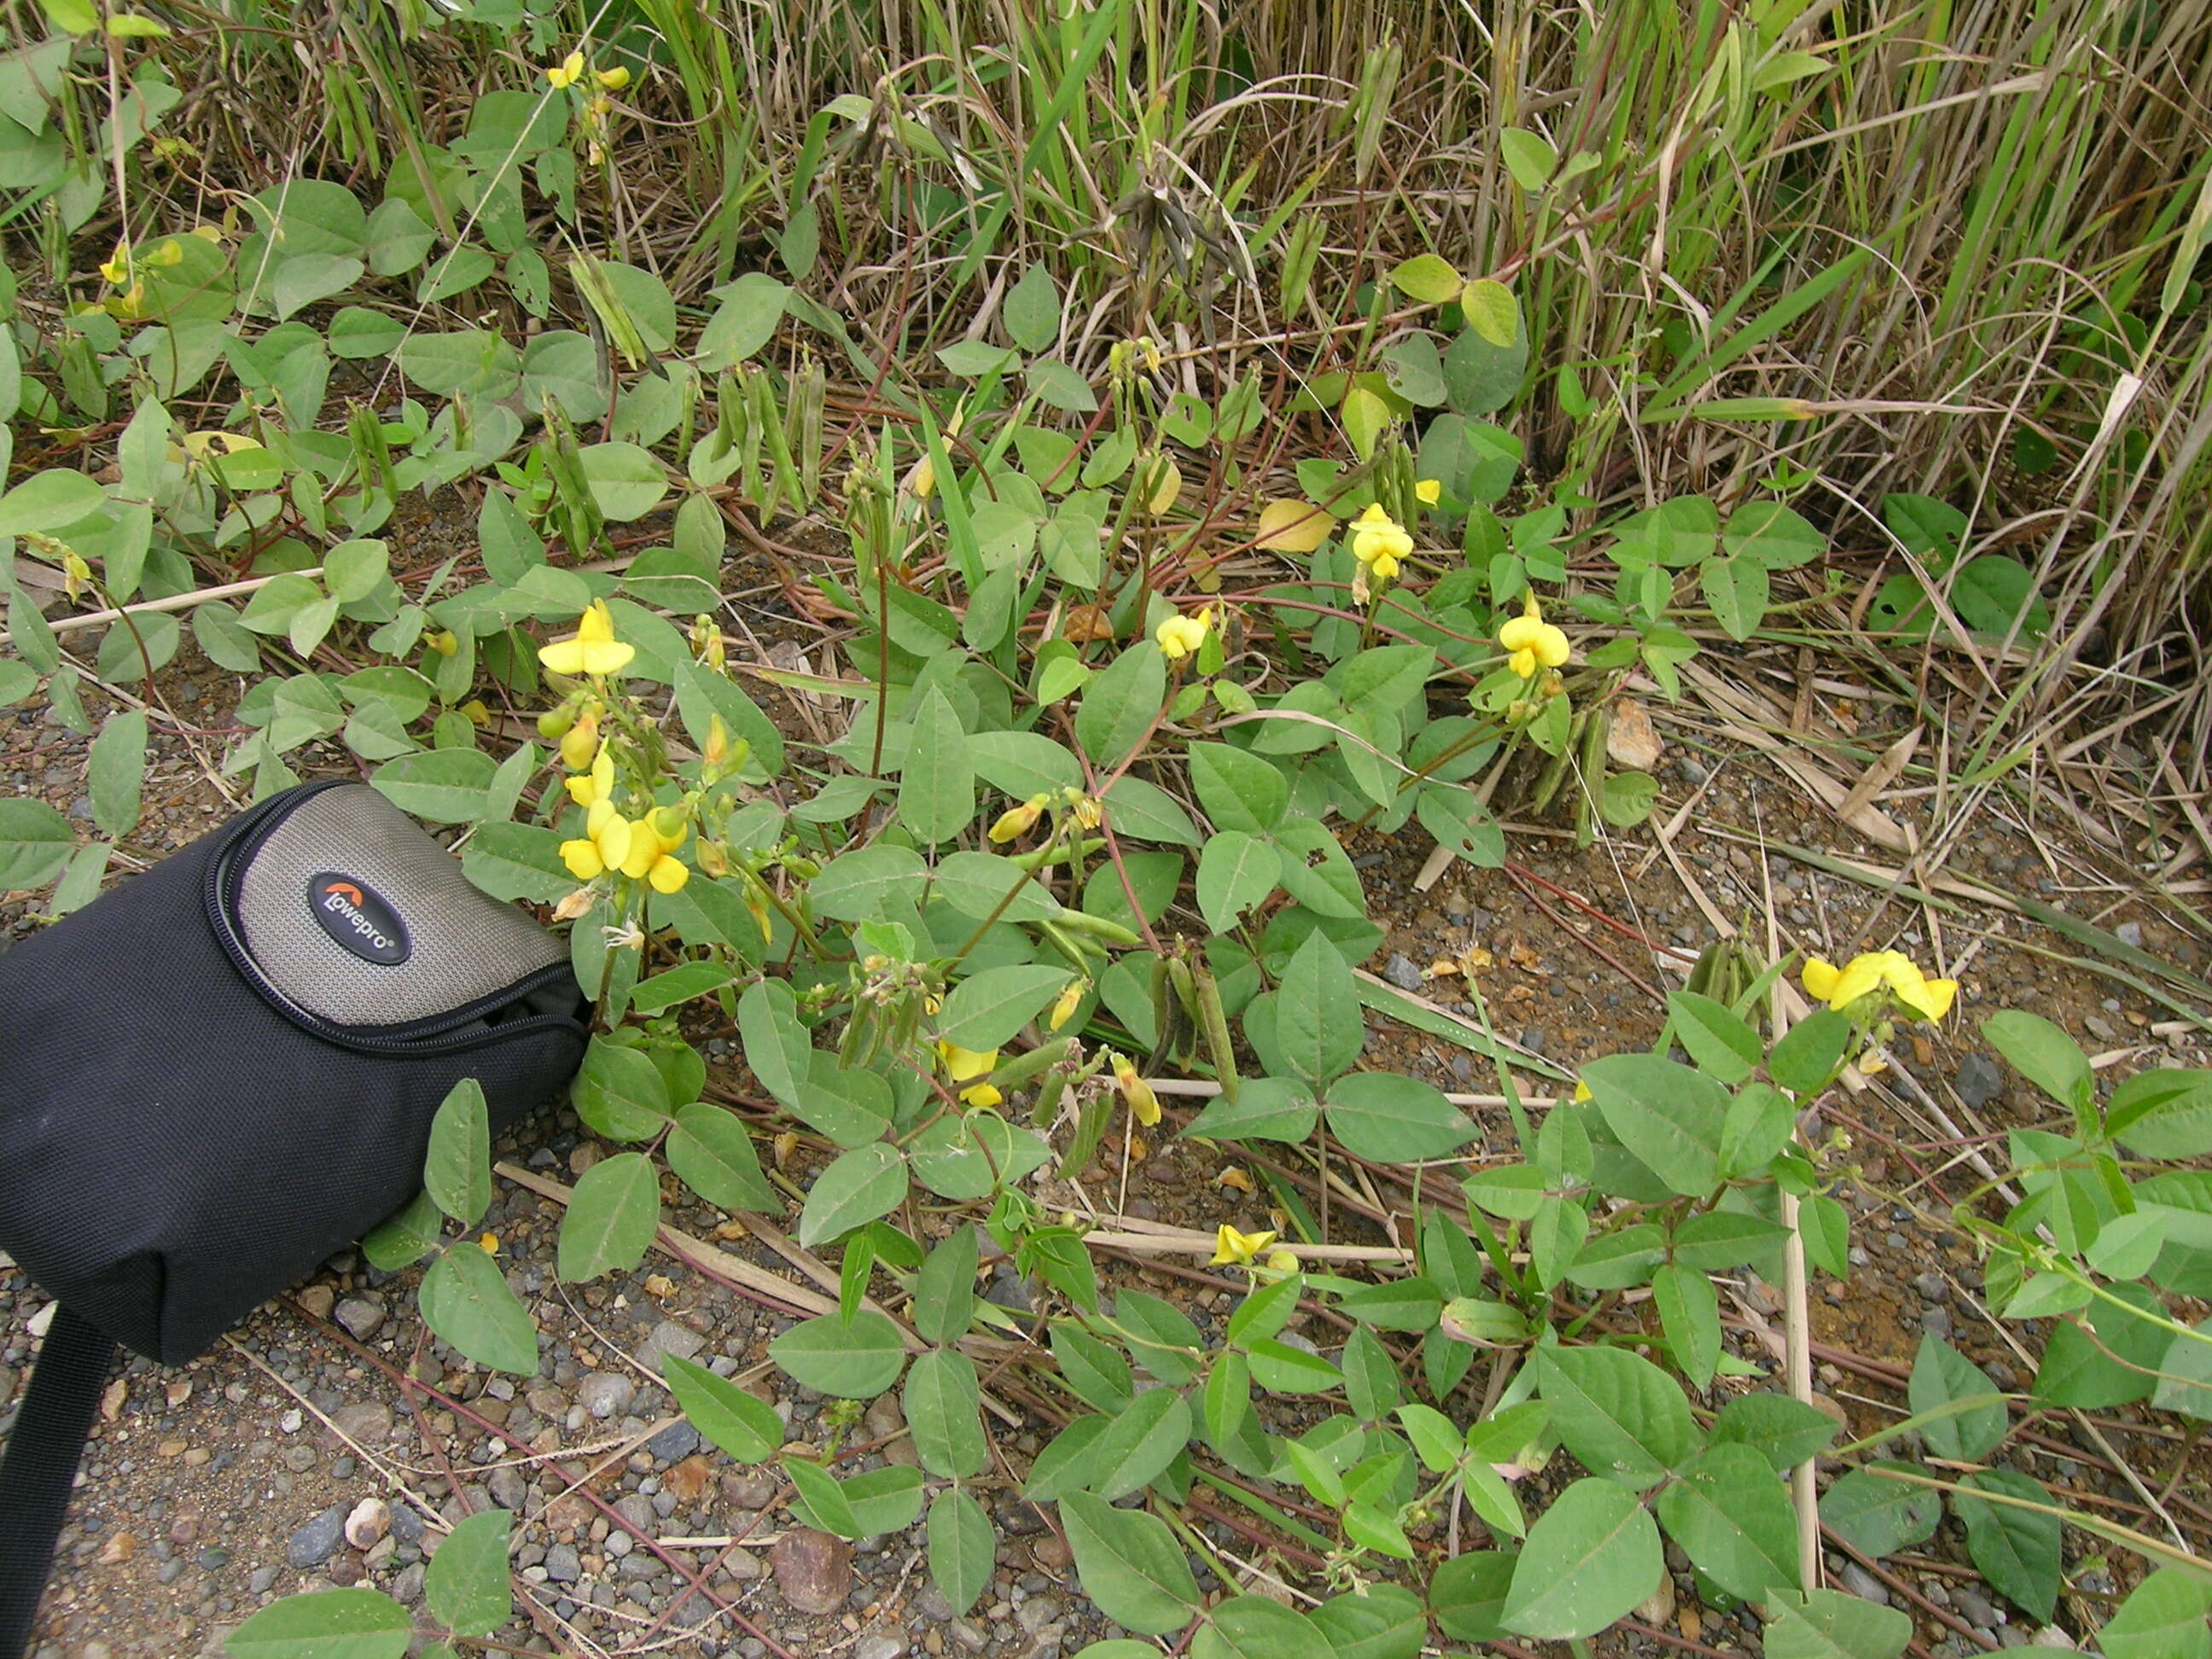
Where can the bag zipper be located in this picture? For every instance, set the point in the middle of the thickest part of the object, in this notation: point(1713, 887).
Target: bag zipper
point(418, 1037)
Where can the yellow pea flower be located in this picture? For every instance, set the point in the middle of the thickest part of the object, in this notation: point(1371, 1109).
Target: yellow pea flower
point(579, 744)
point(1069, 1000)
point(1084, 810)
point(568, 71)
point(1532, 642)
point(968, 1064)
point(592, 649)
point(1232, 1249)
point(1017, 822)
point(605, 844)
point(1429, 491)
point(615, 79)
point(1180, 635)
point(588, 789)
point(1875, 970)
point(668, 875)
point(1283, 1261)
point(1380, 543)
point(1144, 1105)
point(117, 268)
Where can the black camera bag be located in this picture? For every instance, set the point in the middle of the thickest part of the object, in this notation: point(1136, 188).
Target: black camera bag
point(221, 1073)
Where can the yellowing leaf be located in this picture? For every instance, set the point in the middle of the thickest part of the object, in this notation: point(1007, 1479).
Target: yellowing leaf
point(1167, 484)
point(1491, 313)
point(1365, 415)
point(1292, 526)
point(1428, 278)
point(1529, 158)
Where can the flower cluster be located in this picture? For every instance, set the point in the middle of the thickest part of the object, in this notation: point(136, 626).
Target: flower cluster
point(1884, 972)
point(570, 69)
point(1018, 821)
point(640, 849)
point(971, 1068)
point(1531, 642)
point(593, 649)
point(1234, 1250)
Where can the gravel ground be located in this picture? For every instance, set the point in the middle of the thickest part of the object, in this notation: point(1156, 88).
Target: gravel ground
point(294, 1455)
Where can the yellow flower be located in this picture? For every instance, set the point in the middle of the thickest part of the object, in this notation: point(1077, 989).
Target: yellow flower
point(117, 268)
point(568, 71)
point(1582, 1092)
point(1532, 642)
point(1083, 809)
point(605, 843)
point(1429, 491)
point(1180, 635)
point(489, 1243)
point(579, 744)
point(1283, 1261)
point(1017, 822)
point(615, 79)
point(1144, 1105)
point(1840, 988)
point(1233, 1248)
point(588, 789)
point(592, 649)
point(1380, 543)
point(967, 1065)
point(668, 875)
point(1069, 1000)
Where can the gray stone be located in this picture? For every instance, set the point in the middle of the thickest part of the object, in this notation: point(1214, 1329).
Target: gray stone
point(316, 1541)
point(670, 1336)
point(2128, 933)
point(744, 1489)
point(889, 1643)
point(1932, 1287)
point(605, 1393)
point(507, 1488)
point(1864, 1585)
point(368, 1423)
point(1974, 1607)
point(1978, 1080)
point(1036, 1613)
point(1401, 971)
point(407, 1585)
point(932, 1605)
point(561, 1566)
point(260, 1579)
point(673, 1444)
point(1936, 1323)
point(1009, 1290)
point(361, 1316)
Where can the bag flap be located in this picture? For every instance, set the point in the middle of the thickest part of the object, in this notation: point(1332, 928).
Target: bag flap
point(351, 912)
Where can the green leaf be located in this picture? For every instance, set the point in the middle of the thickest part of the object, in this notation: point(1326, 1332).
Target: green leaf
point(1254, 1627)
point(1139, 1444)
point(943, 1290)
point(1378, 1621)
point(1730, 1511)
point(467, 1303)
point(1690, 1315)
point(613, 1214)
point(2163, 1113)
point(1719, 1042)
point(115, 771)
point(1783, 1431)
point(985, 1010)
point(1131, 1564)
point(743, 1425)
point(467, 1586)
point(1588, 1560)
point(339, 1624)
point(2185, 1383)
point(1397, 1305)
point(1388, 1118)
point(679, 985)
point(49, 500)
point(937, 783)
point(1265, 1108)
point(619, 1092)
point(1286, 1370)
point(1032, 310)
point(712, 1153)
point(1619, 1415)
point(1160, 1337)
point(963, 1551)
point(1467, 1593)
point(1318, 1031)
point(1940, 1375)
point(942, 1400)
point(1808, 1054)
point(1092, 1367)
point(35, 842)
point(1492, 311)
point(1118, 705)
point(1235, 872)
point(1826, 1624)
point(745, 321)
point(457, 1170)
point(446, 786)
point(853, 1359)
point(1428, 278)
point(1665, 1114)
point(865, 1183)
point(1879, 1517)
point(1721, 1239)
point(405, 1239)
point(626, 480)
point(2016, 1549)
point(982, 886)
point(2078, 1370)
point(1238, 790)
point(1529, 156)
point(2163, 1619)
point(778, 1048)
point(1775, 536)
point(2043, 1054)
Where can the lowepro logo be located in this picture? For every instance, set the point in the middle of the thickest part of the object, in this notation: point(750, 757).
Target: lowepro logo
point(358, 918)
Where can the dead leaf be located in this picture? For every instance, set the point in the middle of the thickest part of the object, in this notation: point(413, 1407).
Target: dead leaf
point(690, 1478)
point(659, 1286)
point(1086, 622)
point(1292, 526)
point(1879, 775)
point(111, 1399)
point(1234, 1177)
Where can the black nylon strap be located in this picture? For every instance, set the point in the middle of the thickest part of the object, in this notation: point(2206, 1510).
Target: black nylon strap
point(40, 1466)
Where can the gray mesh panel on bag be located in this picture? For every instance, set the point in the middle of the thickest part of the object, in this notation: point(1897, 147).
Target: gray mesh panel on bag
point(463, 944)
